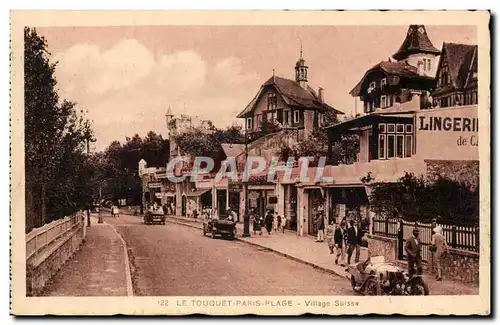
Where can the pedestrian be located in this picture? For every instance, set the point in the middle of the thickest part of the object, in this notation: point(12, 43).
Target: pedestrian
point(231, 215)
point(279, 222)
point(354, 236)
point(439, 248)
point(339, 240)
point(275, 222)
point(257, 223)
point(269, 221)
point(320, 221)
point(413, 253)
point(283, 224)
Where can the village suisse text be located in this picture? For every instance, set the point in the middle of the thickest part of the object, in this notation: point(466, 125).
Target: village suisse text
point(259, 303)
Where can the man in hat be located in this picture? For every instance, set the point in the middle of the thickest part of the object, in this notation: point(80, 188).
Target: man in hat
point(413, 253)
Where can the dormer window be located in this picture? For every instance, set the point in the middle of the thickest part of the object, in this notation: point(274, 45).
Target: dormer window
point(272, 101)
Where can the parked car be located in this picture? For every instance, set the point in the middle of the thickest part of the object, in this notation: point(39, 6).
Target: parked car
point(223, 227)
point(154, 216)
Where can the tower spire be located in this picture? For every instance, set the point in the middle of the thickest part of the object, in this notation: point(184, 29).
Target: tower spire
point(301, 69)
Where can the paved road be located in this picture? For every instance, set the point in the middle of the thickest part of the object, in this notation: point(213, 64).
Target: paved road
point(174, 260)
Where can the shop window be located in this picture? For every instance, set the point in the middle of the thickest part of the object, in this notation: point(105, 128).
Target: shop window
point(381, 128)
point(400, 146)
point(400, 128)
point(381, 146)
point(391, 142)
point(408, 145)
point(409, 128)
point(391, 128)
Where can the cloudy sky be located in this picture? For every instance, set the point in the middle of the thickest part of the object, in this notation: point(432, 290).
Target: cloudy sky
point(126, 77)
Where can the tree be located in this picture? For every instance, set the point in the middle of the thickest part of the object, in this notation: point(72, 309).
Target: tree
point(198, 142)
point(418, 199)
point(54, 140)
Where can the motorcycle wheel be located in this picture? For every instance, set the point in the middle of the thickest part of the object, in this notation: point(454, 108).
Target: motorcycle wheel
point(419, 288)
point(372, 288)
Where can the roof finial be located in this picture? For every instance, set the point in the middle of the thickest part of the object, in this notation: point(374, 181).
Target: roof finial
point(301, 48)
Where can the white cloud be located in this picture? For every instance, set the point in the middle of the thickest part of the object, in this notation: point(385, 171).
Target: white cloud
point(127, 88)
point(181, 72)
point(84, 68)
point(231, 70)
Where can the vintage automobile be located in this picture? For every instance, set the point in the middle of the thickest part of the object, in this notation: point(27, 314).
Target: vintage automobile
point(154, 216)
point(222, 226)
point(377, 277)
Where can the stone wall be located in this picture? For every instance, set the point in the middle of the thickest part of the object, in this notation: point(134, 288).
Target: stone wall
point(41, 268)
point(383, 246)
point(456, 265)
point(461, 265)
point(458, 170)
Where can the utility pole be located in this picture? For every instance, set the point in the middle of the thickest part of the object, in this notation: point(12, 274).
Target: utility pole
point(246, 217)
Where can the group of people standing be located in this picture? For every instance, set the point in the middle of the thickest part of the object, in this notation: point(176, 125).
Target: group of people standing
point(347, 240)
point(439, 248)
point(272, 222)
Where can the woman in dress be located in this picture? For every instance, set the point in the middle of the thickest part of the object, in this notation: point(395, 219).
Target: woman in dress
point(439, 246)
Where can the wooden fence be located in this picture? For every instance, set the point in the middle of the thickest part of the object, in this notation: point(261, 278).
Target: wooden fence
point(458, 237)
point(41, 239)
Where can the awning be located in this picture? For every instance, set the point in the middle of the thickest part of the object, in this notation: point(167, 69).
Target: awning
point(366, 120)
point(197, 193)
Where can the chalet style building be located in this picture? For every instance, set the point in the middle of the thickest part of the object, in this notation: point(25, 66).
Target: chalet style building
point(456, 77)
point(408, 75)
point(288, 104)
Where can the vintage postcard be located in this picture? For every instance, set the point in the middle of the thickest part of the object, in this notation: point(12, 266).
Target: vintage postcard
point(265, 163)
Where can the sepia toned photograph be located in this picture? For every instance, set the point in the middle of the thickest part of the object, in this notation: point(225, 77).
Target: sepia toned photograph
point(265, 163)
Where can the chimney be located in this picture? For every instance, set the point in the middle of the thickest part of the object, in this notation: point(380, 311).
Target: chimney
point(320, 94)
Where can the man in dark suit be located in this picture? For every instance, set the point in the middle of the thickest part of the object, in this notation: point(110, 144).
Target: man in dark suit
point(354, 235)
point(339, 241)
point(413, 253)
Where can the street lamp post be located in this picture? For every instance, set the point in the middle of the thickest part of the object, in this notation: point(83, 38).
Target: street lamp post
point(246, 217)
point(89, 138)
point(100, 205)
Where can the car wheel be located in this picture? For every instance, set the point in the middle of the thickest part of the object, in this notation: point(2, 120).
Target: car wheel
point(372, 288)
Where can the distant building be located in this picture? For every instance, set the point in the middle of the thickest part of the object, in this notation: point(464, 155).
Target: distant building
point(456, 78)
point(287, 103)
point(408, 76)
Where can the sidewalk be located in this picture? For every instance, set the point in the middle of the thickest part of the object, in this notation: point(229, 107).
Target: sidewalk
point(306, 250)
point(99, 268)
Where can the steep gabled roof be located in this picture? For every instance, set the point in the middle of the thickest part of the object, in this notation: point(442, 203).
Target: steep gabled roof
point(416, 41)
point(292, 94)
point(399, 69)
point(461, 58)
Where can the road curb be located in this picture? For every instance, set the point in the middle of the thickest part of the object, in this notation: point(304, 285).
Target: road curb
point(128, 274)
point(324, 269)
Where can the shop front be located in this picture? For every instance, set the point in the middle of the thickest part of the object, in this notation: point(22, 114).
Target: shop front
point(348, 202)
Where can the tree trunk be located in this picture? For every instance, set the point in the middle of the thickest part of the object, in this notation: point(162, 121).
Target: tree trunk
point(43, 204)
